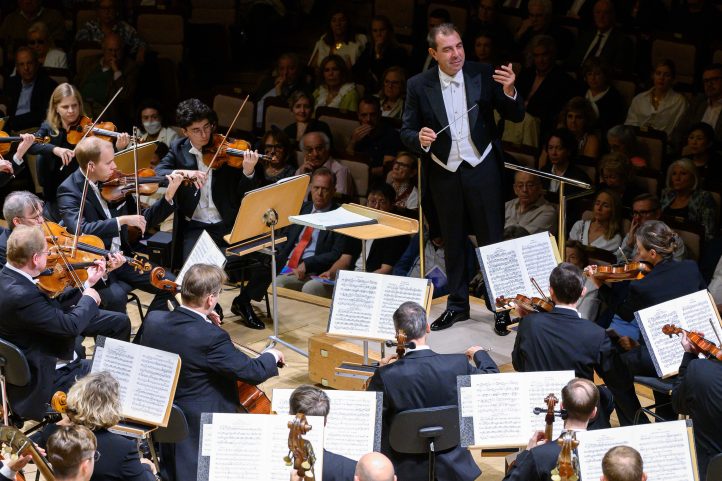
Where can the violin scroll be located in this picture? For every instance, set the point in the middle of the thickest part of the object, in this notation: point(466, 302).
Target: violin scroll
point(300, 451)
point(551, 401)
point(567, 468)
point(705, 346)
point(158, 280)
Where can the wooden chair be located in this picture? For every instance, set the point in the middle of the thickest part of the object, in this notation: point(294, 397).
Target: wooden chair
point(647, 179)
point(360, 175)
point(84, 53)
point(276, 112)
point(164, 33)
point(400, 13)
point(656, 142)
point(227, 106)
point(342, 125)
point(691, 234)
point(683, 54)
point(627, 87)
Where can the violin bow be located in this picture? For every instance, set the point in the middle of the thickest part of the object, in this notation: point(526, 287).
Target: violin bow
point(538, 288)
point(67, 263)
point(210, 166)
point(136, 136)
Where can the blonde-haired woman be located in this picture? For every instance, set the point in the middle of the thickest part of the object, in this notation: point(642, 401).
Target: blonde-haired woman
point(683, 197)
point(605, 228)
point(64, 113)
point(94, 402)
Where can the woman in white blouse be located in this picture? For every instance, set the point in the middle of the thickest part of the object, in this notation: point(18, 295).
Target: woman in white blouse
point(659, 107)
point(605, 228)
point(340, 39)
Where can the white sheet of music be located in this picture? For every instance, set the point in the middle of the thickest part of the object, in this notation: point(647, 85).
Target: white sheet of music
point(502, 405)
point(693, 312)
point(350, 412)
point(147, 378)
point(205, 251)
point(508, 266)
point(364, 303)
point(665, 449)
point(251, 447)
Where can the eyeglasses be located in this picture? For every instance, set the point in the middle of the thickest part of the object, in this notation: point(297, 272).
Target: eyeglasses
point(200, 130)
point(642, 213)
point(273, 146)
point(401, 164)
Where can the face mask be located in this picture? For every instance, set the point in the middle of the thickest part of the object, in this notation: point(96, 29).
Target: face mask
point(152, 127)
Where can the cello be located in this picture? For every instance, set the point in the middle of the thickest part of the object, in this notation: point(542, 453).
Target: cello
point(300, 451)
point(567, 468)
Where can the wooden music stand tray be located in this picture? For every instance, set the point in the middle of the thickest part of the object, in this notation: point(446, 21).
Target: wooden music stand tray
point(263, 211)
point(124, 158)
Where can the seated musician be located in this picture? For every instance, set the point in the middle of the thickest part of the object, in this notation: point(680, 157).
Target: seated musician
point(55, 159)
point(623, 463)
point(9, 169)
point(667, 280)
point(307, 251)
point(20, 208)
point(312, 401)
point(543, 344)
point(374, 467)
point(697, 394)
point(94, 402)
point(424, 379)
point(42, 328)
point(580, 398)
point(72, 452)
point(211, 365)
point(110, 221)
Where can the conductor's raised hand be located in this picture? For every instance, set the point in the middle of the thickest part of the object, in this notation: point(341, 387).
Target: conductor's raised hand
point(506, 77)
point(426, 136)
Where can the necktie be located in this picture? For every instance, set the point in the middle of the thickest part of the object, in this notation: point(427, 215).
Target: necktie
point(300, 247)
point(593, 52)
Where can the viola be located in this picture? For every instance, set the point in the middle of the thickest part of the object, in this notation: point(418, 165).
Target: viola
point(623, 272)
point(300, 451)
point(567, 468)
point(104, 130)
point(221, 151)
point(7, 140)
point(551, 401)
point(707, 347)
point(17, 443)
point(531, 304)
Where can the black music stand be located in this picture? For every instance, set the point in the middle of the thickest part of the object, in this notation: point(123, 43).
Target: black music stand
point(426, 430)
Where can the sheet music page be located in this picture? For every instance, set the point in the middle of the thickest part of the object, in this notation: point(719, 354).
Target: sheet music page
point(691, 312)
point(508, 266)
point(204, 251)
point(502, 405)
point(251, 447)
point(332, 219)
point(350, 412)
point(364, 302)
point(664, 447)
point(146, 377)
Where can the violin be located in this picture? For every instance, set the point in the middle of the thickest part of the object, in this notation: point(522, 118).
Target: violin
point(623, 272)
point(531, 304)
point(707, 347)
point(6, 141)
point(401, 344)
point(222, 150)
point(300, 451)
point(120, 185)
point(551, 401)
point(104, 130)
point(567, 468)
point(15, 443)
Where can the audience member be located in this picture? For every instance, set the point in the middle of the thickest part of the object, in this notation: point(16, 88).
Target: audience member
point(340, 40)
point(604, 229)
point(683, 197)
point(645, 207)
point(336, 89)
point(580, 118)
point(301, 104)
point(700, 148)
point(704, 107)
point(392, 93)
point(374, 137)
point(483, 50)
point(606, 100)
point(615, 174)
point(316, 148)
point(281, 161)
point(72, 453)
point(622, 463)
point(660, 107)
point(403, 179)
point(540, 21)
point(588, 305)
point(486, 22)
point(530, 209)
point(421, 59)
point(49, 56)
point(29, 91)
point(95, 30)
point(288, 77)
point(560, 151)
point(153, 123)
point(623, 140)
point(14, 27)
point(382, 53)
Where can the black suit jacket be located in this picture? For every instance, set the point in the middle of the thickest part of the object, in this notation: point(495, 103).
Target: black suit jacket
point(43, 331)
point(119, 459)
point(424, 379)
point(618, 50)
point(424, 107)
point(4, 245)
point(535, 464)
point(39, 99)
point(544, 343)
point(211, 365)
point(94, 221)
point(548, 100)
point(698, 394)
point(329, 245)
point(337, 467)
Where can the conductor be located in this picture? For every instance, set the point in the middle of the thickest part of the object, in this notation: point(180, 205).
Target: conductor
point(464, 161)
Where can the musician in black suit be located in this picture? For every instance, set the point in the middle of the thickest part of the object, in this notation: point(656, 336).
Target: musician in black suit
point(42, 328)
point(697, 394)
point(425, 379)
point(543, 344)
point(374, 467)
point(110, 221)
point(464, 162)
point(312, 401)
point(210, 367)
point(580, 398)
point(622, 463)
point(72, 451)
point(20, 208)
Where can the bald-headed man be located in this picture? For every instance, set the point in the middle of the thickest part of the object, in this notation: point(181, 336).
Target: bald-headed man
point(374, 467)
point(529, 209)
point(622, 463)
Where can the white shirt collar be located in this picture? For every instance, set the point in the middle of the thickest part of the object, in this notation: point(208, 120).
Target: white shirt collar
point(195, 313)
point(570, 308)
point(447, 79)
point(22, 273)
point(195, 151)
point(423, 347)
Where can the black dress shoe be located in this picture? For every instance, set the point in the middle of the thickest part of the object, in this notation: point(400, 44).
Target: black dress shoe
point(248, 316)
point(448, 319)
point(501, 321)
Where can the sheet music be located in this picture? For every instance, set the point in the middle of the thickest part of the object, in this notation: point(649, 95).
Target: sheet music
point(350, 412)
point(251, 447)
point(502, 405)
point(363, 303)
point(665, 449)
point(333, 219)
point(147, 378)
point(693, 312)
point(509, 266)
point(205, 251)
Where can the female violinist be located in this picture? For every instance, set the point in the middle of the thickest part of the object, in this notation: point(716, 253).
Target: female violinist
point(55, 159)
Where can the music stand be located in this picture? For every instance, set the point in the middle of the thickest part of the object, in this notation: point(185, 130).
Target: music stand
point(426, 430)
point(263, 211)
point(562, 208)
point(124, 158)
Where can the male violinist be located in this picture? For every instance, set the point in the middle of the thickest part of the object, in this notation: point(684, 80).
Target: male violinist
point(111, 221)
point(424, 379)
point(46, 329)
point(210, 367)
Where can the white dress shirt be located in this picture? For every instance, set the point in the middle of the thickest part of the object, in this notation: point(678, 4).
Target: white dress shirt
point(206, 210)
point(115, 243)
